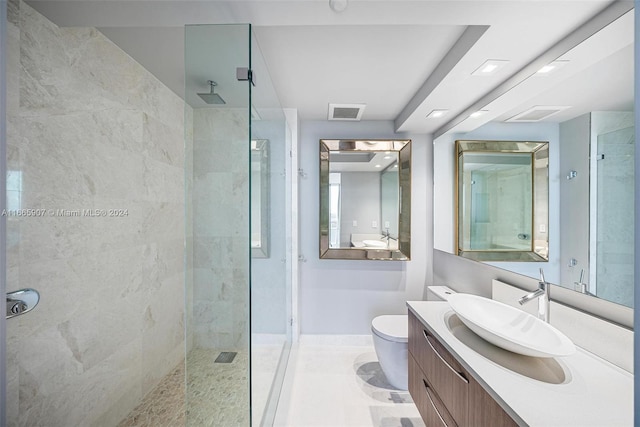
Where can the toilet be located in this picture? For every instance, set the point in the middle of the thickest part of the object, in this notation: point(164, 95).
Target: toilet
point(390, 339)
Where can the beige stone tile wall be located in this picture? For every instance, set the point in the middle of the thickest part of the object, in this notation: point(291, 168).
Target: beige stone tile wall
point(221, 228)
point(89, 128)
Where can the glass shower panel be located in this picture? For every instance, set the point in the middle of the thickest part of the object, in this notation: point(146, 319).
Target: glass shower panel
point(270, 261)
point(217, 218)
point(615, 220)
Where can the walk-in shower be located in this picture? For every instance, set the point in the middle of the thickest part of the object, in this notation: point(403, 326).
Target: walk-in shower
point(161, 303)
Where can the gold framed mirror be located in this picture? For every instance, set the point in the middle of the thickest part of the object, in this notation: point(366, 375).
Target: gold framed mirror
point(365, 199)
point(502, 200)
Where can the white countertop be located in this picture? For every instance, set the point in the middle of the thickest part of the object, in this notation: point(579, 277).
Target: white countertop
point(580, 390)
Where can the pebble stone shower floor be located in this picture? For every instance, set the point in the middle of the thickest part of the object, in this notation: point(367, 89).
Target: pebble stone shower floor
point(217, 395)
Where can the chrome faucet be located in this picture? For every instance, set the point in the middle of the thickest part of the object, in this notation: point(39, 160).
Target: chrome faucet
point(542, 295)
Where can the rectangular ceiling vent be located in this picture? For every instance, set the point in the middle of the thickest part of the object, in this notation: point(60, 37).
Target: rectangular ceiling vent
point(537, 113)
point(351, 112)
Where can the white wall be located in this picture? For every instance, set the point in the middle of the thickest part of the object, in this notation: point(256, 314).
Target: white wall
point(342, 297)
point(444, 170)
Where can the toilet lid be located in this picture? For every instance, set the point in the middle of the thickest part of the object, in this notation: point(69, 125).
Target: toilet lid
point(392, 327)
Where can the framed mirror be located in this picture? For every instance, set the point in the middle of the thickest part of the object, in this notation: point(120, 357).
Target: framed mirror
point(502, 200)
point(260, 198)
point(365, 199)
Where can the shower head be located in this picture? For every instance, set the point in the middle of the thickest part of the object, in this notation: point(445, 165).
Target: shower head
point(212, 97)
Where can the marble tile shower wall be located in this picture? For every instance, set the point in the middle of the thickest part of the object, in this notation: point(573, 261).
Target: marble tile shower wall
point(220, 228)
point(89, 128)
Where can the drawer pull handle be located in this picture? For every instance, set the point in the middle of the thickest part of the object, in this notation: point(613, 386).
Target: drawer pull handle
point(433, 404)
point(458, 374)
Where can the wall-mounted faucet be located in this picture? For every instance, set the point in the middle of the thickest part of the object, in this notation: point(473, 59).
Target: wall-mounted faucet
point(542, 295)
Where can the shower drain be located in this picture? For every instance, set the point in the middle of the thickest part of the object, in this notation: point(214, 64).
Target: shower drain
point(225, 357)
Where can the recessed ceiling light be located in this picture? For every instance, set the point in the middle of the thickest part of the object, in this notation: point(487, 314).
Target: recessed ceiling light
point(478, 113)
point(437, 114)
point(378, 166)
point(551, 67)
point(387, 157)
point(490, 67)
point(395, 166)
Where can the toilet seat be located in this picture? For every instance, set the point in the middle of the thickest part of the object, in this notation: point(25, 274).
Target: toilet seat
point(392, 327)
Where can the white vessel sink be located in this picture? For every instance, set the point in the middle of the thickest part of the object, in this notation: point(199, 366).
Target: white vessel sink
point(375, 243)
point(510, 328)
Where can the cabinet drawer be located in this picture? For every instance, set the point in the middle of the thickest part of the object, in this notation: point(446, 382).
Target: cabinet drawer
point(442, 371)
point(429, 405)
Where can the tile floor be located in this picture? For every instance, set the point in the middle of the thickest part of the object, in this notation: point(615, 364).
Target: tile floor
point(343, 386)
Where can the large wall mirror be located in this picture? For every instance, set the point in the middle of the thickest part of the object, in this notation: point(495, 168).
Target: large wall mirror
point(584, 108)
point(365, 199)
point(502, 200)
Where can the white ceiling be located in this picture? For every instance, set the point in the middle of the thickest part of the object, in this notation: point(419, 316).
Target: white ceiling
point(401, 58)
point(312, 66)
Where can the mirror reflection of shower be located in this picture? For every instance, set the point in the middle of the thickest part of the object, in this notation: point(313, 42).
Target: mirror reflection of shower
point(612, 223)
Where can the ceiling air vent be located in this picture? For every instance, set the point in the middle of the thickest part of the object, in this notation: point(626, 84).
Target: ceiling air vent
point(351, 112)
point(537, 113)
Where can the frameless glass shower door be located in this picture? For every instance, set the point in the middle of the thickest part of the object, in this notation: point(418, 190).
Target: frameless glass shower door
point(217, 212)
point(237, 280)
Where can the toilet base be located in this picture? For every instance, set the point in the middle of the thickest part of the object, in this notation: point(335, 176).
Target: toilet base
point(394, 360)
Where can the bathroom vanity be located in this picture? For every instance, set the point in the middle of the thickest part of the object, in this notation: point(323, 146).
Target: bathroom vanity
point(458, 379)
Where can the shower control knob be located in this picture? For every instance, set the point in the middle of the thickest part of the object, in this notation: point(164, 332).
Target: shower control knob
point(18, 307)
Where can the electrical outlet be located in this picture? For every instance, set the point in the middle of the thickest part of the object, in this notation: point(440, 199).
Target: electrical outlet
point(374, 224)
point(542, 228)
point(386, 224)
point(355, 223)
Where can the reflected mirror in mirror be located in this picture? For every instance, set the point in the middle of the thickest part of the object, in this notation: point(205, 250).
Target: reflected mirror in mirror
point(260, 198)
point(365, 203)
point(502, 200)
point(587, 117)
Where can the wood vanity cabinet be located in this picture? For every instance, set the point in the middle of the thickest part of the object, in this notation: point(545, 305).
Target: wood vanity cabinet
point(443, 391)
